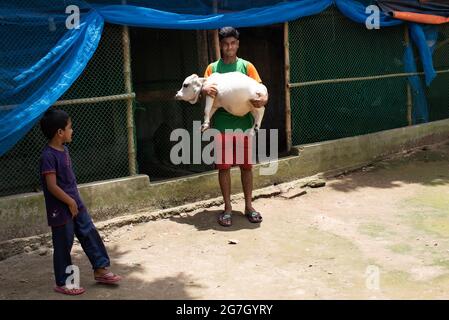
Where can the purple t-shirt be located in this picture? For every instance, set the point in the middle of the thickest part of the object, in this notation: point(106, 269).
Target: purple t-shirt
point(58, 162)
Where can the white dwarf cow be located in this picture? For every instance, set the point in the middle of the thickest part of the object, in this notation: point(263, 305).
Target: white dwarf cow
point(235, 90)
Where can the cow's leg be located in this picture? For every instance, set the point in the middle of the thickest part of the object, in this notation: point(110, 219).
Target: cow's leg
point(258, 116)
point(209, 110)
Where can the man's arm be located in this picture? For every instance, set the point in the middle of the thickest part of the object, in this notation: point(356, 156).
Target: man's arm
point(262, 100)
point(55, 190)
point(210, 89)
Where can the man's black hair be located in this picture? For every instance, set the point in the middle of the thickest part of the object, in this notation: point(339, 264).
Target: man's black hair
point(228, 32)
point(52, 121)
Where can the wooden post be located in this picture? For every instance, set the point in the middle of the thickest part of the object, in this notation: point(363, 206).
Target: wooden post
point(409, 89)
point(216, 41)
point(216, 45)
point(288, 113)
point(129, 101)
point(203, 56)
point(409, 105)
point(212, 45)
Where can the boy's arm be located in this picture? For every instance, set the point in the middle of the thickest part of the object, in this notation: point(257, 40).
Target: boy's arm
point(55, 190)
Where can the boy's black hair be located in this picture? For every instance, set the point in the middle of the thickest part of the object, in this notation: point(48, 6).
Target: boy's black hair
point(228, 32)
point(52, 121)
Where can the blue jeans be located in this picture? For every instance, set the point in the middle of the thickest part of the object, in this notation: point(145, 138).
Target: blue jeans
point(63, 236)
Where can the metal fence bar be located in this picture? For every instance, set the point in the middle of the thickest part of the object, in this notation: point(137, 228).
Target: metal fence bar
point(340, 80)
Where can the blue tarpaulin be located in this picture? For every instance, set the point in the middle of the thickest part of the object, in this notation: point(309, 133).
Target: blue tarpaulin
point(41, 57)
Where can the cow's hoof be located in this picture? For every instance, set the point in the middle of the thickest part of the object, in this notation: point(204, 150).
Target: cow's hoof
point(204, 127)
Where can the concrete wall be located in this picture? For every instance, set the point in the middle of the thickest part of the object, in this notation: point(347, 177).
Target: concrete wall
point(24, 215)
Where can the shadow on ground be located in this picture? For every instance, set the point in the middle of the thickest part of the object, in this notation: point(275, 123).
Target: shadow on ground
point(426, 166)
point(38, 283)
point(208, 220)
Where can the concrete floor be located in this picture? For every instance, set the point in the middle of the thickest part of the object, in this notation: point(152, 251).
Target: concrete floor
point(378, 233)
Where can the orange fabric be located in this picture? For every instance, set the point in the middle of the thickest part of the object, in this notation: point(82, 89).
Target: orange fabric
point(208, 71)
point(252, 72)
point(419, 17)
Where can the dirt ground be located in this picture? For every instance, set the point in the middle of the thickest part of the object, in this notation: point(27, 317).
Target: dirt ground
point(378, 233)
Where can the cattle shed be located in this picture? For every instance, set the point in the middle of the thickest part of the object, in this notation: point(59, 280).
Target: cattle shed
point(329, 77)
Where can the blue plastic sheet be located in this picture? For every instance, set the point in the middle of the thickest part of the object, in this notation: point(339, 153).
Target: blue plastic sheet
point(148, 17)
point(17, 120)
point(356, 11)
point(420, 110)
point(425, 37)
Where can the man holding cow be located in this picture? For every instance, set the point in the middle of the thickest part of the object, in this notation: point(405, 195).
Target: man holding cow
point(224, 121)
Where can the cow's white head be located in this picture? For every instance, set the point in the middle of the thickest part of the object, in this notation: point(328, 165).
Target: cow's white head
point(191, 89)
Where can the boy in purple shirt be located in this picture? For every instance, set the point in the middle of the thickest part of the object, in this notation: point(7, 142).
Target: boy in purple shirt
point(67, 216)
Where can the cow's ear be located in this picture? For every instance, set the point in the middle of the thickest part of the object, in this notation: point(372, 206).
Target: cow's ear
point(197, 89)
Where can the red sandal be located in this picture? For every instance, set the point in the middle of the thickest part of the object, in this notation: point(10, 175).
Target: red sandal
point(70, 292)
point(108, 278)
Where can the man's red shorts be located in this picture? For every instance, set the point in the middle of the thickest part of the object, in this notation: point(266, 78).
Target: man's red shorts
point(235, 150)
